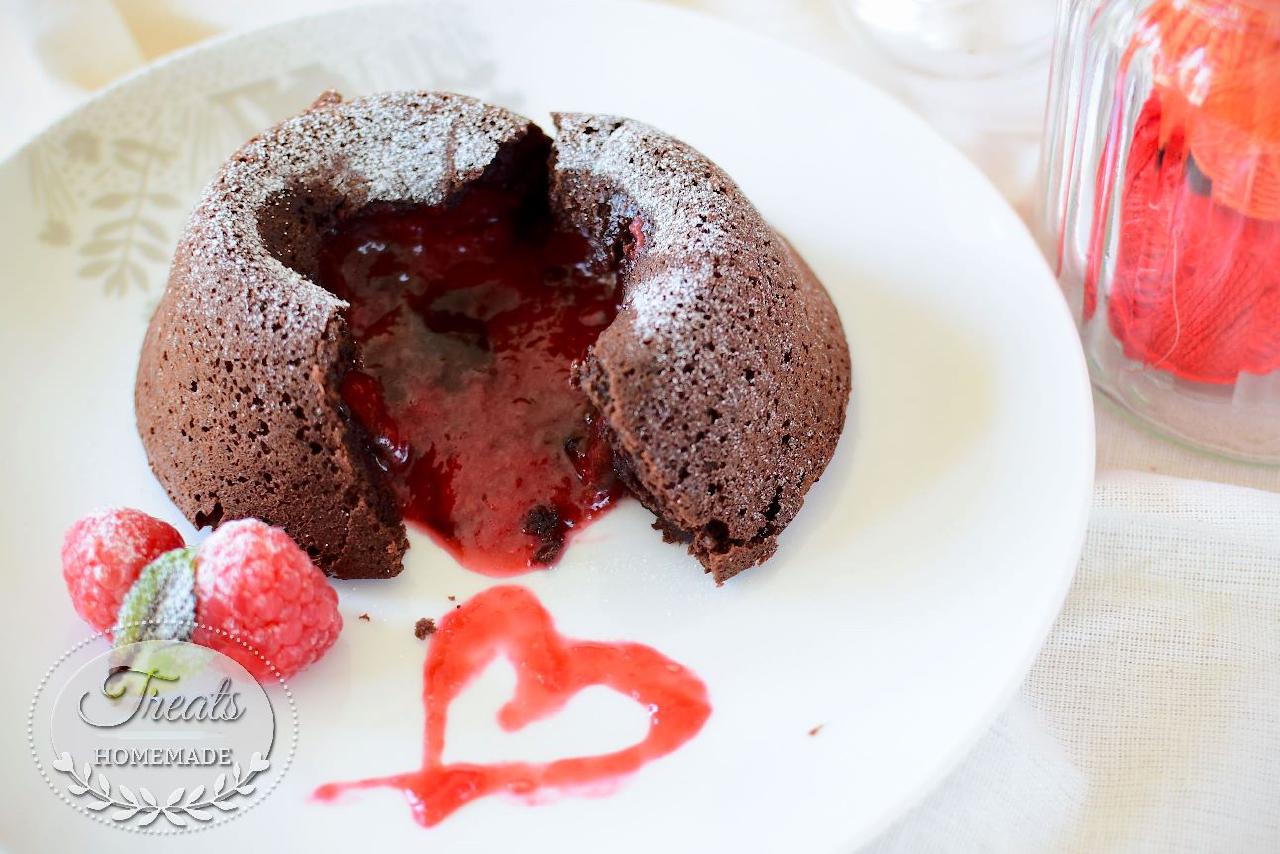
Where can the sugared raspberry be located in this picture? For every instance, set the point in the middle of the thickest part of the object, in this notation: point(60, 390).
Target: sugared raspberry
point(102, 555)
point(253, 582)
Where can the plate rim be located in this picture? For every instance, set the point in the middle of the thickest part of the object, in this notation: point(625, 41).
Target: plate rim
point(853, 835)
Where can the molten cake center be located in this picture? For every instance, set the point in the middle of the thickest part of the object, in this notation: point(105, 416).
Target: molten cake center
point(470, 316)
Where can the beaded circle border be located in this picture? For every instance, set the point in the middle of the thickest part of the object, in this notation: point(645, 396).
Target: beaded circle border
point(61, 795)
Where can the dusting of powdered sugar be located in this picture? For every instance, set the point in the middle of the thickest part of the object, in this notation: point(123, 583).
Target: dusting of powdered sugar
point(413, 147)
point(117, 532)
point(692, 211)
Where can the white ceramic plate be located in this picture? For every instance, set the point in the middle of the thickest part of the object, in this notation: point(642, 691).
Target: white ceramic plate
point(905, 603)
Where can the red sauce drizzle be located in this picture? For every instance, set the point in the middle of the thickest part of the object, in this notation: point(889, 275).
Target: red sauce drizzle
point(470, 316)
point(550, 669)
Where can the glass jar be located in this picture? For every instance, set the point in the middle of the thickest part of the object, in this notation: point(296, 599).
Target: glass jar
point(974, 69)
point(1160, 208)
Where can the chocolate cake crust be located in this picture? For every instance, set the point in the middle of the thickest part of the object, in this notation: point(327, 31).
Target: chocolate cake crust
point(724, 378)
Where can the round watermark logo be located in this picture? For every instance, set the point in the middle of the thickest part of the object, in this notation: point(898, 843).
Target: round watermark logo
point(160, 736)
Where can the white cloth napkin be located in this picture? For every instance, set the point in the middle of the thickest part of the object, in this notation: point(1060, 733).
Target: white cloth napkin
point(1151, 721)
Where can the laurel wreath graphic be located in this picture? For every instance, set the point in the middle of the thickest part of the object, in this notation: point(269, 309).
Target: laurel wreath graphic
point(177, 807)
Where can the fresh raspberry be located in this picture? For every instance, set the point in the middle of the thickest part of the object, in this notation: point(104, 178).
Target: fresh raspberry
point(102, 555)
point(253, 582)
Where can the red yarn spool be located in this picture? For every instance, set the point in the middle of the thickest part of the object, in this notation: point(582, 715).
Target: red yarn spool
point(1195, 278)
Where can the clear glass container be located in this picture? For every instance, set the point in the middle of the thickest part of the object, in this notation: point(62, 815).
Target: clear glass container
point(1160, 207)
point(974, 69)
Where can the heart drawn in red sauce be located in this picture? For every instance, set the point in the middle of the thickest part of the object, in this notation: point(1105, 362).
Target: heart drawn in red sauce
point(550, 669)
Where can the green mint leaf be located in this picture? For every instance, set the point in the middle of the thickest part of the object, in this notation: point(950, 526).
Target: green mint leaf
point(161, 605)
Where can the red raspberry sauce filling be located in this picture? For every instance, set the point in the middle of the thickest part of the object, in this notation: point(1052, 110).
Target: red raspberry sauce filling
point(469, 317)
